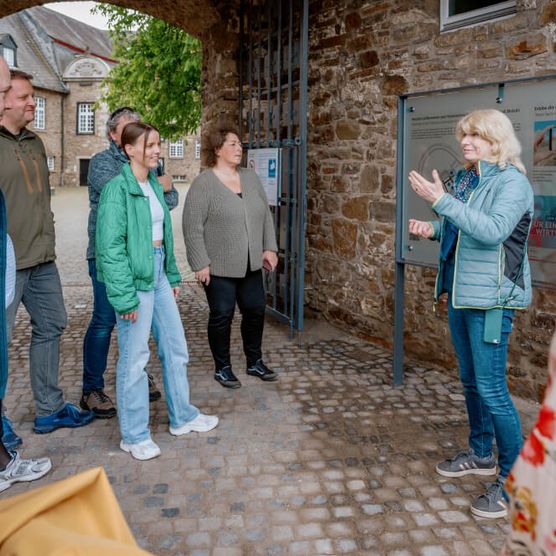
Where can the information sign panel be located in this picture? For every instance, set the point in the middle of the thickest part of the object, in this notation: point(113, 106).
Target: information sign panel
point(428, 142)
point(266, 162)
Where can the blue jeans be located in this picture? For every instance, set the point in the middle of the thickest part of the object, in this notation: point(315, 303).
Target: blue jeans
point(157, 310)
point(482, 368)
point(40, 290)
point(97, 338)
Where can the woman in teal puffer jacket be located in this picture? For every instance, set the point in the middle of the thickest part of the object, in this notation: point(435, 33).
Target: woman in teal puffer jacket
point(135, 260)
point(485, 272)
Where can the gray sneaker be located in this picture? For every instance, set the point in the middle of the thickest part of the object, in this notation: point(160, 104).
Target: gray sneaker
point(467, 463)
point(23, 470)
point(492, 503)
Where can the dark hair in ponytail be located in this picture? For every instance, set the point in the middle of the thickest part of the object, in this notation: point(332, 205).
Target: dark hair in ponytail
point(133, 130)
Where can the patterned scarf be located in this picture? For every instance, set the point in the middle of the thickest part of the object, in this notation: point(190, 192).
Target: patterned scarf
point(463, 189)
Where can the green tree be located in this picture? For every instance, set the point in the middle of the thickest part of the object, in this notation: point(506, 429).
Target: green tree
point(159, 71)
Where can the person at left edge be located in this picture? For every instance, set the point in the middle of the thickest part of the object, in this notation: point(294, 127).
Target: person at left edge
point(26, 189)
point(13, 468)
point(104, 166)
point(135, 260)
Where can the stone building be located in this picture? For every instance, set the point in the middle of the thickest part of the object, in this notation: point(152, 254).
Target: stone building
point(69, 61)
point(362, 55)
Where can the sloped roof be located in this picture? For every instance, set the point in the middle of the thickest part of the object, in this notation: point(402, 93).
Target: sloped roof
point(71, 32)
point(47, 42)
point(33, 54)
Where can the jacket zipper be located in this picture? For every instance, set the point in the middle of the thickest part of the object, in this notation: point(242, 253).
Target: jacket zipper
point(501, 267)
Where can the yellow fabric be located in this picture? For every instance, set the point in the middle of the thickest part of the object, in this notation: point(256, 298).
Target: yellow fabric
point(79, 516)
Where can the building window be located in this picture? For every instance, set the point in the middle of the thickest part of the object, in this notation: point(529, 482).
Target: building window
point(40, 113)
point(175, 149)
point(85, 118)
point(50, 163)
point(462, 13)
point(197, 149)
point(179, 178)
point(9, 55)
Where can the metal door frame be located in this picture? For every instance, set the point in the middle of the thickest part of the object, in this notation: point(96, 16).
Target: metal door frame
point(273, 71)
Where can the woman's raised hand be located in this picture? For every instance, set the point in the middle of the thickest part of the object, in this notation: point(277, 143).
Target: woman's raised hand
point(420, 228)
point(430, 191)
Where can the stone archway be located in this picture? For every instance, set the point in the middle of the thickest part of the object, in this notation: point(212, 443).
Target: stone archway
point(214, 23)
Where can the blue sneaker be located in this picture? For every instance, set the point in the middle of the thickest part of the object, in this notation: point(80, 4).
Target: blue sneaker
point(10, 439)
point(69, 416)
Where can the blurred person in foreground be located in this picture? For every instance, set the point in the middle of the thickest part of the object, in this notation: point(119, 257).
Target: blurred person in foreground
point(483, 232)
point(532, 481)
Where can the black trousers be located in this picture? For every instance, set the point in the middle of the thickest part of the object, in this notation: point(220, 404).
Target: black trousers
point(222, 295)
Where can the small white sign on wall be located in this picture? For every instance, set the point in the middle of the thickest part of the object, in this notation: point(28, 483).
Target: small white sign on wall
point(266, 162)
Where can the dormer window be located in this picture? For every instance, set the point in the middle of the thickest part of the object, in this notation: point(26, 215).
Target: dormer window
point(9, 56)
point(8, 50)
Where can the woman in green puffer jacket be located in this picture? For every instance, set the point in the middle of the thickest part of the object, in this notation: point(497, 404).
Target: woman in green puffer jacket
point(135, 260)
point(485, 272)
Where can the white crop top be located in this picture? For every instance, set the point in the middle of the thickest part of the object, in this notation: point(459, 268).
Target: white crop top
point(157, 213)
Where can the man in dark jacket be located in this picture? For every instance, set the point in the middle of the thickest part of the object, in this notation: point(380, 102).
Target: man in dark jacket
point(104, 166)
point(26, 188)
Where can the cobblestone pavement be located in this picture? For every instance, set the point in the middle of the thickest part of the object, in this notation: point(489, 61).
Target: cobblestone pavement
point(331, 459)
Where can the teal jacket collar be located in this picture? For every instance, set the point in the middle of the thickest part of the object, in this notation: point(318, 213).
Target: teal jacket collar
point(133, 184)
point(487, 169)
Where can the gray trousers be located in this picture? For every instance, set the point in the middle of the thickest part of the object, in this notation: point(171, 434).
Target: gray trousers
point(40, 290)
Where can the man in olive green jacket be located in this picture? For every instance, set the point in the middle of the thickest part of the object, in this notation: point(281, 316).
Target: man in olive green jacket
point(26, 189)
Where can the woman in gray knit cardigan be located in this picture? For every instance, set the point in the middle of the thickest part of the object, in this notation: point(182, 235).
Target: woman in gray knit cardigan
point(229, 237)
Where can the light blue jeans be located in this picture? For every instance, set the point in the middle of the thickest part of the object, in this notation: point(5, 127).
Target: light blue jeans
point(157, 311)
point(482, 368)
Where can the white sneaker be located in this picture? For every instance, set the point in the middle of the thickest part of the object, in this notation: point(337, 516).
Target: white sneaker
point(201, 423)
point(23, 470)
point(144, 450)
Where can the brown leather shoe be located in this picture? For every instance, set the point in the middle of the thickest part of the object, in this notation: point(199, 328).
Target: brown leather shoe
point(99, 403)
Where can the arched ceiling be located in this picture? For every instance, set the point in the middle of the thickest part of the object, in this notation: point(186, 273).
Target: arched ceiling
point(196, 17)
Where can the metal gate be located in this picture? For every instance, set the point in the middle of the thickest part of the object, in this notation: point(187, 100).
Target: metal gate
point(273, 114)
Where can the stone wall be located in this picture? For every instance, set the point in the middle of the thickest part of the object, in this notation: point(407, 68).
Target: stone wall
point(220, 71)
point(362, 56)
point(81, 146)
point(187, 166)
